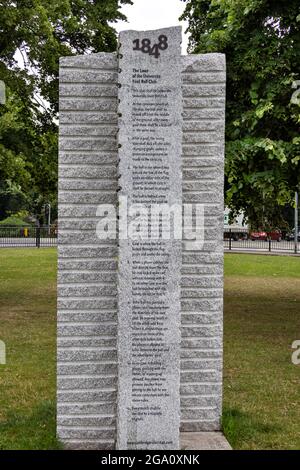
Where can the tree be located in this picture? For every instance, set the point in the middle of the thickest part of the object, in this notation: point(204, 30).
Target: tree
point(261, 40)
point(33, 35)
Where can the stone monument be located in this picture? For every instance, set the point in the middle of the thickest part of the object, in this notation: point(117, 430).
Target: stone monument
point(140, 309)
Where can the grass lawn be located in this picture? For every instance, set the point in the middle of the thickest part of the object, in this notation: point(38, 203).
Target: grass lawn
point(262, 319)
point(27, 326)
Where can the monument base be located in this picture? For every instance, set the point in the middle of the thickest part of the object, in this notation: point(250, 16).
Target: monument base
point(188, 441)
point(204, 441)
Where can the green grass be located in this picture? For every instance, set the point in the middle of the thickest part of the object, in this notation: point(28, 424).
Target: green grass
point(27, 326)
point(262, 319)
point(258, 266)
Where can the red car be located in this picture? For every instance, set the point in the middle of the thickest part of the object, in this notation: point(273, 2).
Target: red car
point(276, 235)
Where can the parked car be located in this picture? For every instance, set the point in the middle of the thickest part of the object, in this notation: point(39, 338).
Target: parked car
point(235, 235)
point(291, 236)
point(275, 235)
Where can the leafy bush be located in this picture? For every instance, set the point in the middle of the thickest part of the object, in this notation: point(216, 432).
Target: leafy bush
point(14, 221)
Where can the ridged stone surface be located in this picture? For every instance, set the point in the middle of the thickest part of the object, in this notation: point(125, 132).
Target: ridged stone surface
point(202, 271)
point(87, 266)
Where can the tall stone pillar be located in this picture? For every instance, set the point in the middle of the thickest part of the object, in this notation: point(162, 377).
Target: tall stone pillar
point(137, 320)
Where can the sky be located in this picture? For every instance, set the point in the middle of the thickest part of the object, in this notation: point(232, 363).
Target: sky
point(147, 14)
point(154, 14)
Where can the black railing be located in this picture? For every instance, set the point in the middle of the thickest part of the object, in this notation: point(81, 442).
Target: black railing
point(244, 240)
point(234, 239)
point(28, 236)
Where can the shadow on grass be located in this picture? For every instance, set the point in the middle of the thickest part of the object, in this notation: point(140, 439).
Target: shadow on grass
point(36, 431)
point(241, 427)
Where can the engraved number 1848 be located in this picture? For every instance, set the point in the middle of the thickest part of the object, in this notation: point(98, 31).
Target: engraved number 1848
point(145, 45)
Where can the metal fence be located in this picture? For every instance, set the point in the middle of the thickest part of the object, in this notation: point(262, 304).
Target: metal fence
point(243, 240)
point(234, 240)
point(38, 237)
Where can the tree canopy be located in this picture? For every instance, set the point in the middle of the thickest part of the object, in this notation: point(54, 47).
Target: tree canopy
point(33, 35)
point(261, 40)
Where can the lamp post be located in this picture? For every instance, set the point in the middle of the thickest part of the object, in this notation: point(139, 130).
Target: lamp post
point(48, 206)
point(2, 92)
point(296, 222)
